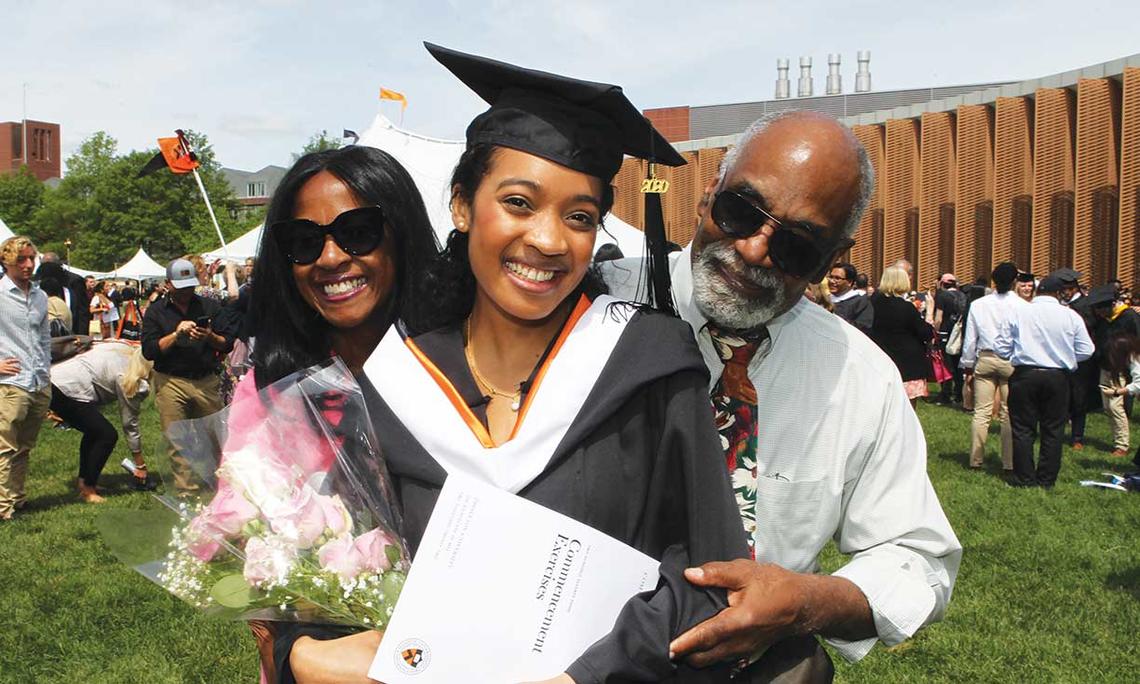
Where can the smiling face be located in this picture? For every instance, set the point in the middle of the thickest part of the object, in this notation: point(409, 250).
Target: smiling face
point(347, 291)
point(837, 282)
point(801, 168)
point(21, 270)
point(1024, 290)
point(532, 225)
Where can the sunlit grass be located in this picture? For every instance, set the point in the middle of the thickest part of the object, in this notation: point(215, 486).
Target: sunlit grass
point(1049, 589)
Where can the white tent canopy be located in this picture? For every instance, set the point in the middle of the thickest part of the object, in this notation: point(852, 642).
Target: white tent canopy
point(430, 162)
point(241, 248)
point(5, 231)
point(140, 266)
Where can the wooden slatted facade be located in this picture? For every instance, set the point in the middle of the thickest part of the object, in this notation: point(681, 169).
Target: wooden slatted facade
point(974, 204)
point(867, 254)
point(1044, 180)
point(1053, 180)
point(1097, 183)
point(1128, 223)
point(936, 197)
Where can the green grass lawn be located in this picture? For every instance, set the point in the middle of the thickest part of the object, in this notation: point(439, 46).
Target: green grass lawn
point(1049, 589)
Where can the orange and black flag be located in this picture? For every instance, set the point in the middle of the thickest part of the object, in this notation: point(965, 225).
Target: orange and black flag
point(174, 153)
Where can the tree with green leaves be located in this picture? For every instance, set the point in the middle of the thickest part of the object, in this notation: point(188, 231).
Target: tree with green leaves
point(108, 212)
point(318, 142)
point(21, 196)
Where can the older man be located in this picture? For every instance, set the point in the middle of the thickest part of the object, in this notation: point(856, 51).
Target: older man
point(824, 441)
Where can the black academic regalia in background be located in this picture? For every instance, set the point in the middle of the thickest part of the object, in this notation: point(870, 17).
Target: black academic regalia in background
point(642, 462)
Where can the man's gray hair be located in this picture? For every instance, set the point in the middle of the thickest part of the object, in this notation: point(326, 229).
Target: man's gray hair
point(866, 170)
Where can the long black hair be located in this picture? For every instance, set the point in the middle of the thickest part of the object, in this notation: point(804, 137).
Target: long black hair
point(450, 279)
point(290, 334)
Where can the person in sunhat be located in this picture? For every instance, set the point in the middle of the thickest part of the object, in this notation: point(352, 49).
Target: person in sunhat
point(545, 386)
point(949, 307)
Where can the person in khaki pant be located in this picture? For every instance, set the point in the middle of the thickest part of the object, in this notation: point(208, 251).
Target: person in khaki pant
point(177, 335)
point(25, 360)
point(1113, 319)
point(988, 373)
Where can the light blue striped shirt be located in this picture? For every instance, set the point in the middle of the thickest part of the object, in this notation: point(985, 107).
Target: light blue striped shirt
point(1047, 335)
point(24, 334)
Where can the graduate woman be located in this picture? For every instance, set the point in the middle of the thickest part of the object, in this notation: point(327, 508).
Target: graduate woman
point(538, 383)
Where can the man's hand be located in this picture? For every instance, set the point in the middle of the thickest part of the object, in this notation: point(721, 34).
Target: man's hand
point(186, 329)
point(9, 366)
point(765, 603)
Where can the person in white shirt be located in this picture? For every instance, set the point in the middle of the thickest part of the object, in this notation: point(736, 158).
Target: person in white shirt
point(25, 355)
point(1045, 343)
point(838, 451)
point(986, 372)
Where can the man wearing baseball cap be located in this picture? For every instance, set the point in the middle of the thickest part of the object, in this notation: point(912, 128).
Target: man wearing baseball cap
point(1045, 343)
point(177, 336)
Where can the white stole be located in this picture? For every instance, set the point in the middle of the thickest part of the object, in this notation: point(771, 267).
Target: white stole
point(427, 412)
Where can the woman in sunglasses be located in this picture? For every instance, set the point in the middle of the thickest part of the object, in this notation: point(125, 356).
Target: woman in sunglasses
point(539, 384)
point(346, 234)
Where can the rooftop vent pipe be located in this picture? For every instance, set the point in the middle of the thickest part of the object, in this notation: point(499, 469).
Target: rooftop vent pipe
point(783, 85)
point(863, 75)
point(805, 89)
point(834, 80)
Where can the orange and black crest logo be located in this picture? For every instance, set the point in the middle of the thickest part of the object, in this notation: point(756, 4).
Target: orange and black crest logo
point(412, 656)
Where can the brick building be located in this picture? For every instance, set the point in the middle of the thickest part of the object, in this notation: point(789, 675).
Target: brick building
point(37, 148)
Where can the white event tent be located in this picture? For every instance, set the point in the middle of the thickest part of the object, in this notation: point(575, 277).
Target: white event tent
point(140, 266)
point(240, 248)
point(5, 231)
point(430, 162)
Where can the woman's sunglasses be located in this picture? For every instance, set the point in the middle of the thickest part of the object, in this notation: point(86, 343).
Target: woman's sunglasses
point(795, 248)
point(356, 231)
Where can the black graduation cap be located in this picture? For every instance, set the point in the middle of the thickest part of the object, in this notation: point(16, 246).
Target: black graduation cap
point(582, 125)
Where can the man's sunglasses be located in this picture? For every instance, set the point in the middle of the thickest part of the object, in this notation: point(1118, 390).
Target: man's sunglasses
point(797, 249)
point(356, 231)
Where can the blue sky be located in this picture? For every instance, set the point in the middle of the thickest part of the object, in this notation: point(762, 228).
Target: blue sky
point(260, 76)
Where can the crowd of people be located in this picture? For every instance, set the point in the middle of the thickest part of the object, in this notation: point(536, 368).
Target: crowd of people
point(719, 422)
point(1030, 368)
point(97, 355)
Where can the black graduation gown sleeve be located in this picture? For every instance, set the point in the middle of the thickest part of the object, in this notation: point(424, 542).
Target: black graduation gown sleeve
point(691, 514)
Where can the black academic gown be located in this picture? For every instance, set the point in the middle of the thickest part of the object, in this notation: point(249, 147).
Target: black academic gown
point(642, 462)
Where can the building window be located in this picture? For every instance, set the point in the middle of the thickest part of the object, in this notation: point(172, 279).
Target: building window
point(47, 145)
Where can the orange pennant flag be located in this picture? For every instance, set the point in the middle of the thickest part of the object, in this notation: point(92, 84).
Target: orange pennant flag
point(176, 156)
point(386, 94)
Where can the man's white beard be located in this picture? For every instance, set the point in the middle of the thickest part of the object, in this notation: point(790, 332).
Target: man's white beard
point(724, 306)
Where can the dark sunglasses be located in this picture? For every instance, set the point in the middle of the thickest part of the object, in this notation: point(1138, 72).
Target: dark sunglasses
point(356, 231)
point(795, 248)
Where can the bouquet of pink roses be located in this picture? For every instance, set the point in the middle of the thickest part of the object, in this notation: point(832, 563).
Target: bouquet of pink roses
point(283, 509)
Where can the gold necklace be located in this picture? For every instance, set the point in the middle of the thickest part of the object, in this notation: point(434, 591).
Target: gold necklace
point(469, 352)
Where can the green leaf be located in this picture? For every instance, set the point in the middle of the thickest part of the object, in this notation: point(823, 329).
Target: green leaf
point(232, 591)
point(393, 553)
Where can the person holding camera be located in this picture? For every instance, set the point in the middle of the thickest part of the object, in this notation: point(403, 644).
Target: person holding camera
point(178, 337)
